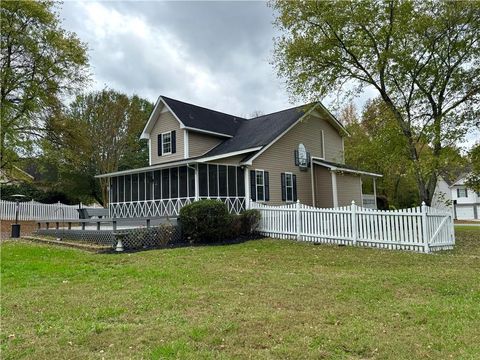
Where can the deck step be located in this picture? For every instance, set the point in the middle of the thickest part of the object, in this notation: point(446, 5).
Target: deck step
point(72, 244)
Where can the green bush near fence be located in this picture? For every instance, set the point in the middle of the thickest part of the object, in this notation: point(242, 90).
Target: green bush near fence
point(205, 221)
point(209, 221)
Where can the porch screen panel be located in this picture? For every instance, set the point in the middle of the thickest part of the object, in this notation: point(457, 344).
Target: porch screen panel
point(157, 184)
point(232, 181)
point(203, 179)
point(174, 183)
point(134, 187)
point(240, 182)
point(121, 189)
point(165, 183)
point(148, 185)
point(212, 180)
point(141, 186)
point(222, 180)
point(114, 189)
point(128, 188)
point(191, 182)
point(182, 180)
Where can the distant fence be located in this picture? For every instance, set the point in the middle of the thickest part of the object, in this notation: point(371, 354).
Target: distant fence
point(422, 229)
point(32, 210)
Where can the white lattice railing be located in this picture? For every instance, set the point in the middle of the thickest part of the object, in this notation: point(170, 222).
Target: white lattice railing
point(166, 207)
point(421, 229)
point(32, 210)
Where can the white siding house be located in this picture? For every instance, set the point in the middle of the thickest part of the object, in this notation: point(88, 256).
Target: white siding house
point(464, 202)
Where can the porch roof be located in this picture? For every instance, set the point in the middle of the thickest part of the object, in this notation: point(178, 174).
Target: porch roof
point(151, 167)
point(342, 167)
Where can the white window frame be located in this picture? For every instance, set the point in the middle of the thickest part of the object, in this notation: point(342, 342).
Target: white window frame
point(257, 185)
point(169, 142)
point(288, 174)
point(462, 189)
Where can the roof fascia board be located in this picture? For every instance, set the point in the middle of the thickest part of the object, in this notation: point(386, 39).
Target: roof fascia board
point(147, 168)
point(149, 126)
point(250, 161)
point(205, 131)
point(338, 168)
point(234, 153)
point(460, 181)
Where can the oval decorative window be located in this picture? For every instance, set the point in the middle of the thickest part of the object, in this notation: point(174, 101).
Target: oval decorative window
point(302, 156)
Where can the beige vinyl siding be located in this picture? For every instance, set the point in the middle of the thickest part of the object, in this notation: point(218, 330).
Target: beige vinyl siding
point(166, 122)
point(323, 187)
point(333, 141)
point(279, 158)
point(199, 144)
point(349, 187)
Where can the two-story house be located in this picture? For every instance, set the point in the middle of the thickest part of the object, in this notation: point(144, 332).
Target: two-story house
point(198, 153)
point(456, 196)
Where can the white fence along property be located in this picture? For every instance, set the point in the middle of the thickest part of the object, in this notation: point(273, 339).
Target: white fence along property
point(32, 210)
point(421, 229)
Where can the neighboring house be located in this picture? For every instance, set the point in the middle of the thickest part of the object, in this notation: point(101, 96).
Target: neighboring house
point(14, 176)
point(277, 158)
point(464, 202)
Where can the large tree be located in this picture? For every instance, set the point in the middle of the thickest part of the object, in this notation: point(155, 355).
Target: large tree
point(473, 178)
point(40, 64)
point(421, 57)
point(98, 133)
point(376, 145)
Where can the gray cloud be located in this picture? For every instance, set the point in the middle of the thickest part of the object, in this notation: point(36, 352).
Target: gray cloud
point(214, 54)
point(210, 53)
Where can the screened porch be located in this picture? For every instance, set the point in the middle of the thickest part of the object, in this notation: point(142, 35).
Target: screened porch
point(163, 192)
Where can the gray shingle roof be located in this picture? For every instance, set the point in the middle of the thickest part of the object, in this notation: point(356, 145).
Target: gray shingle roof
point(259, 131)
point(205, 119)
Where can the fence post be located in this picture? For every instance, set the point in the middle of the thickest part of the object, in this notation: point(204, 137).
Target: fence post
point(354, 222)
point(424, 227)
point(298, 220)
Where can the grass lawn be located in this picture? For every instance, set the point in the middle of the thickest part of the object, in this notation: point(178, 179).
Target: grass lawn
point(260, 299)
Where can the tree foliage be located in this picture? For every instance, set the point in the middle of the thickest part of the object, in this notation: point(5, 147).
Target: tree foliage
point(98, 133)
point(40, 64)
point(376, 145)
point(473, 178)
point(422, 58)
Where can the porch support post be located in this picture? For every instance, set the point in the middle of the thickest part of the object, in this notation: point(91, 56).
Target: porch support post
point(334, 189)
point(246, 174)
point(375, 192)
point(197, 184)
point(312, 179)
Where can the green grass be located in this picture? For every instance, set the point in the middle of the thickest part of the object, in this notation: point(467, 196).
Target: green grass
point(259, 299)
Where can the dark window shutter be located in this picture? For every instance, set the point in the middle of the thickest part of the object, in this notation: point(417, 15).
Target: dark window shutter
point(174, 141)
point(159, 143)
point(267, 185)
point(284, 192)
point(253, 190)
point(308, 159)
point(295, 154)
point(294, 187)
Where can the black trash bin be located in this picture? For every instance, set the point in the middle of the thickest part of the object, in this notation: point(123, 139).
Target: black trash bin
point(15, 230)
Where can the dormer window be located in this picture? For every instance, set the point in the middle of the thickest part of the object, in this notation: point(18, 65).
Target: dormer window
point(167, 143)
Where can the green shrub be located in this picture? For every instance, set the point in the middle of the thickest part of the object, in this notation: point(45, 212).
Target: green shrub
point(249, 221)
point(206, 221)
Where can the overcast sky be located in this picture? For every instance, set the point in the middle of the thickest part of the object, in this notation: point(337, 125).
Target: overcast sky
point(213, 54)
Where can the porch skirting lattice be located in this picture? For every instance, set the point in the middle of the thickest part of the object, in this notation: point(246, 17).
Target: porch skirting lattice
point(167, 207)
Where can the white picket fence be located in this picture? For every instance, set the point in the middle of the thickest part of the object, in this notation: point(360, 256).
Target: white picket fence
point(32, 210)
point(421, 229)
